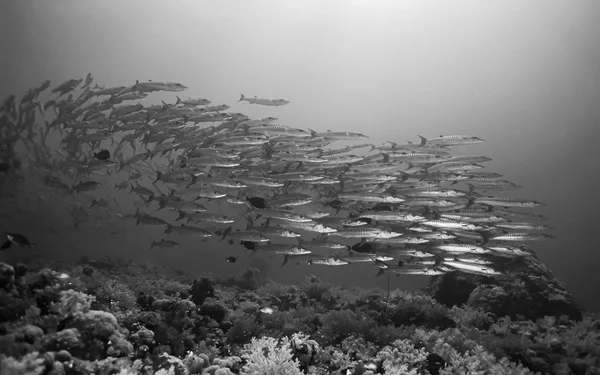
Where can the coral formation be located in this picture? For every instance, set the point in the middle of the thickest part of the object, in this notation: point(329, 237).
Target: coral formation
point(527, 288)
point(130, 325)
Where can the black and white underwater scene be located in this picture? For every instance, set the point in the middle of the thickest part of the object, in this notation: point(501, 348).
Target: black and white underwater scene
point(268, 187)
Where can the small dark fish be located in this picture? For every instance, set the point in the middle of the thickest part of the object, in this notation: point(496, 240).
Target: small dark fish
point(102, 155)
point(257, 202)
point(163, 244)
point(250, 245)
point(16, 239)
point(231, 259)
point(363, 247)
point(85, 186)
point(336, 204)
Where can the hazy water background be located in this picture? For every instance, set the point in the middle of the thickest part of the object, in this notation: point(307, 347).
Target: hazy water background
point(524, 75)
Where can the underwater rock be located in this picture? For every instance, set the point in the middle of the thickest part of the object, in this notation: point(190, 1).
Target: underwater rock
point(119, 346)
point(250, 279)
point(100, 324)
point(166, 362)
point(12, 306)
point(214, 309)
point(233, 362)
point(29, 333)
point(453, 288)
point(434, 363)
point(201, 289)
point(44, 278)
point(99, 329)
point(205, 358)
point(68, 339)
point(63, 356)
point(143, 336)
point(164, 304)
point(57, 369)
point(7, 276)
point(528, 289)
point(194, 364)
point(21, 270)
point(12, 345)
point(491, 298)
point(211, 369)
point(145, 301)
point(88, 271)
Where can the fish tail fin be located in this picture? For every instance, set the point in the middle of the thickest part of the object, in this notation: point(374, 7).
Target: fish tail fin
point(169, 229)
point(312, 132)
point(423, 140)
point(193, 181)
point(150, 199)
point(242, 97)
point(381, 272)
point(152, 244)
point(486, 239)
point(470, 202)
point(178, 100)
point(225, 233)
point(286, 257)
point(181, 215)
point(121, 162)
point(6, 245)
point(158, 176)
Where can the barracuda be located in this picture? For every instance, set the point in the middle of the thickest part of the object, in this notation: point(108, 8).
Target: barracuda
point(289, 180)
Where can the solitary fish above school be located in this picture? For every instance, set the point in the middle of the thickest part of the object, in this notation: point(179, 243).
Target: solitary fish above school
point(264, 101)
point(15, 239)
point(151, 86)
point(102, 155)
point(163, 244)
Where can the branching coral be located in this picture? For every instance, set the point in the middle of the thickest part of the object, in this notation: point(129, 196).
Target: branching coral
point(265, 356)
point(402, 358)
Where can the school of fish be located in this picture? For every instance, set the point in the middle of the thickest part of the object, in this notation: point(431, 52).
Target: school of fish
point(404, 208)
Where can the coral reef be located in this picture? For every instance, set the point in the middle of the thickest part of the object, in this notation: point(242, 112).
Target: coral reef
point(138, 319)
